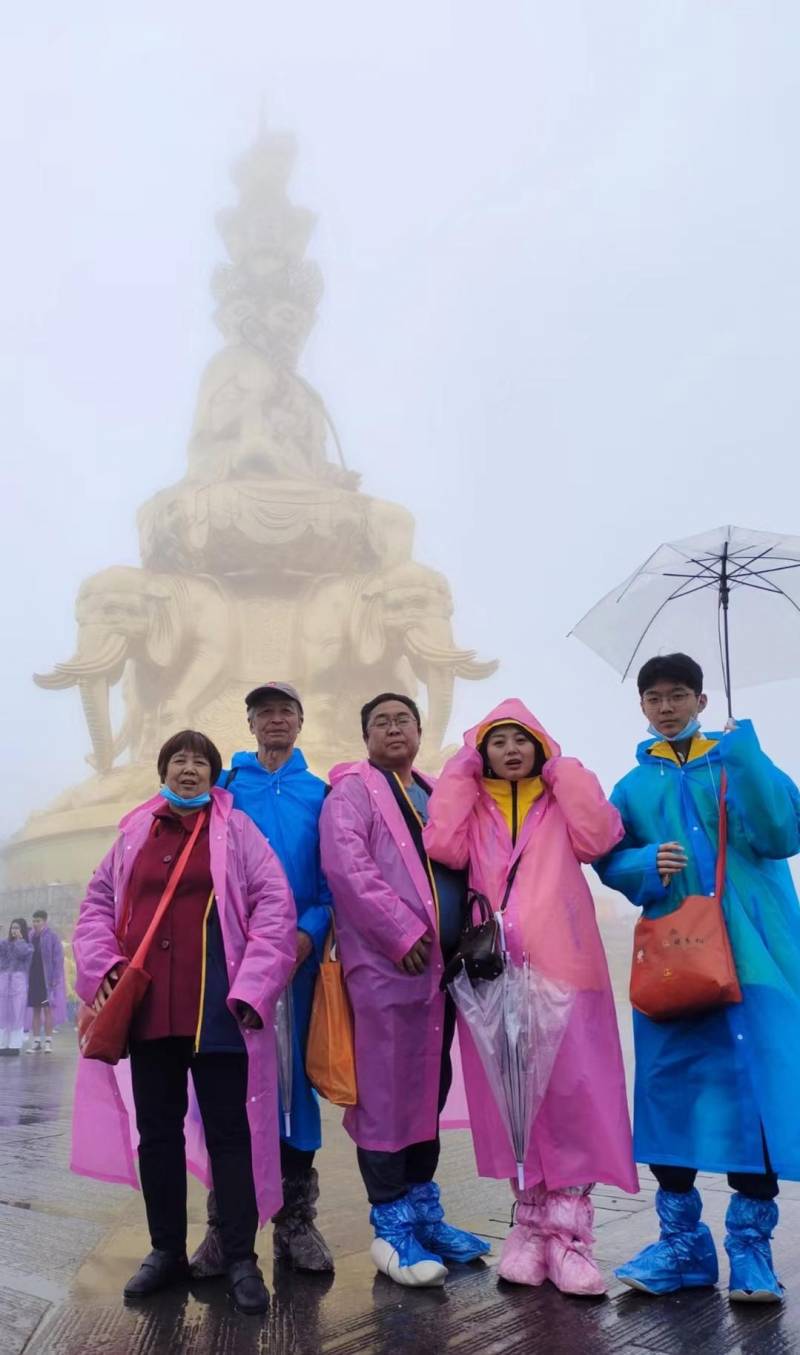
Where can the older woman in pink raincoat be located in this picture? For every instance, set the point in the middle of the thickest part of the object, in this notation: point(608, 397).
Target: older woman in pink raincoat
point(509, 797)
point(221, 956)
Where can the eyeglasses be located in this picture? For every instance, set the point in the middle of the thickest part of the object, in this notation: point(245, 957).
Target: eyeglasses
point(655, 700)
point(386, 721)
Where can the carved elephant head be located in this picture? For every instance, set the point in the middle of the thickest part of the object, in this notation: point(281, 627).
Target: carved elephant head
point(131, 614)
point(407, 611)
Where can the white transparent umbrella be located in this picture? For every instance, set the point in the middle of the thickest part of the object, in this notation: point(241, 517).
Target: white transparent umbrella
point(517, 1022)
point(727, 591)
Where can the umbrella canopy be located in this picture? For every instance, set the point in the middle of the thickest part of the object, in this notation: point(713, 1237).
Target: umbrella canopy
point(682, 599)
point(284, 1042)
point(517, 1022)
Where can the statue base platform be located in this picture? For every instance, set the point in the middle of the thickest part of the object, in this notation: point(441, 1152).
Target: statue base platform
point(61, 849)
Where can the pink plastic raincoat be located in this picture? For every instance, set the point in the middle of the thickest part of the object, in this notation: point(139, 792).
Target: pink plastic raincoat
point(582, 1132)
point(258, 921)
point(384, 904)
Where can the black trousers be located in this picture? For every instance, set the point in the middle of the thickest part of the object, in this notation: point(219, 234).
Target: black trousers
point(295, 1162)
point(159, 1072)
point(758, 1185)
point(388, 1176)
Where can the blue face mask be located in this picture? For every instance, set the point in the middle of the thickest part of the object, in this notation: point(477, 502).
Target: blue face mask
point(688, 732)
point(194, 801)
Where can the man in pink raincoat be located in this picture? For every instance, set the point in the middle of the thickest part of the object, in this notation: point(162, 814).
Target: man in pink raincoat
point(248, 947)
point(518, 814)
point(398, 917)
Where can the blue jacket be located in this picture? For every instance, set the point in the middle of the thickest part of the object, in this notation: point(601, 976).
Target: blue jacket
point(706, 1085)
point(286, 806)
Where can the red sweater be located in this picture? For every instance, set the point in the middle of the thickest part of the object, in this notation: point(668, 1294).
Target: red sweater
point(172, 1003)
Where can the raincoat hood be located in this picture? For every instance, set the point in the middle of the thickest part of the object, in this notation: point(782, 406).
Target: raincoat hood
point(512, 711)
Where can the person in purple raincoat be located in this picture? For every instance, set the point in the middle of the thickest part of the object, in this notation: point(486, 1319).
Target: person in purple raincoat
point(398, 918)
point(46, 994)
point(15, 961)
point(220, 958)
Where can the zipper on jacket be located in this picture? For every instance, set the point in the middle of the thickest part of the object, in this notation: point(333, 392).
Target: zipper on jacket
point(514, 813)
point(203, 968)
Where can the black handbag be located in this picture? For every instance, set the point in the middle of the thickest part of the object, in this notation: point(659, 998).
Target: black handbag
point(479, 945)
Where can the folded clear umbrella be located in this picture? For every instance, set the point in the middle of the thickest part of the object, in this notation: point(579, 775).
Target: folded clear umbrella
point(284, 1044)
point(516, 1022)
point(679, 599)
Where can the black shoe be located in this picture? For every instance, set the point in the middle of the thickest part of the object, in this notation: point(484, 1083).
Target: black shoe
point(247, 1287)
point(157, 1271)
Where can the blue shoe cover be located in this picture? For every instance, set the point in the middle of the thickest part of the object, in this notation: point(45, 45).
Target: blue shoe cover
point(397, 1252)
point(452, 1244)
point(684, 1257)
point(749, 1225)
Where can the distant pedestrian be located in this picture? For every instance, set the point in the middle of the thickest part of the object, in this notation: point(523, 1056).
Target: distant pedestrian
point(15, 962)
point(46, 996)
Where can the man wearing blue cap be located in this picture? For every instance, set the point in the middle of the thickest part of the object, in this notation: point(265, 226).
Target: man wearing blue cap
point(283, 798)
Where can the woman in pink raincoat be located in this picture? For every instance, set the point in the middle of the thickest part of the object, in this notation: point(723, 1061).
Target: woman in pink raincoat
point(220, 958)
point(509, 797)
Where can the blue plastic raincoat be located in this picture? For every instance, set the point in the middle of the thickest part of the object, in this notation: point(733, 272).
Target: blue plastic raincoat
point(286, 806)
point(706, 1085)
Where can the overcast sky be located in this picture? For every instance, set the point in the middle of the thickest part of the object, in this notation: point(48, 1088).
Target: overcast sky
point(560, 248)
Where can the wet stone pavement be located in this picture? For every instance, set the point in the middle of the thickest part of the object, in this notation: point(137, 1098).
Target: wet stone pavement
point(67, 1245)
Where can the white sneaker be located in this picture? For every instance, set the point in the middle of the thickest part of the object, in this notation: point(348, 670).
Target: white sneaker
point(48, 1046)
point(34, 1047)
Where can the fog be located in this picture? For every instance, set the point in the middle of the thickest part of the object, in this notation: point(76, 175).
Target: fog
point(559, 243)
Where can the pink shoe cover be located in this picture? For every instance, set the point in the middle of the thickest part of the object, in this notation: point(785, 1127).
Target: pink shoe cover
point(523, 1259)
point(570, 1264)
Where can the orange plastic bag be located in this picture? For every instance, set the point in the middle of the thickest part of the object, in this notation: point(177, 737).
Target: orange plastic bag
point(330, 1050)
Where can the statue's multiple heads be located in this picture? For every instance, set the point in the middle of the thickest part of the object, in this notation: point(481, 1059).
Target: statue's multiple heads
point(268, 296)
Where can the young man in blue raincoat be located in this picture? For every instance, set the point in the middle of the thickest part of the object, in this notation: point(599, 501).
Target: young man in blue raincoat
point(283, 798)
point(719, 1091)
